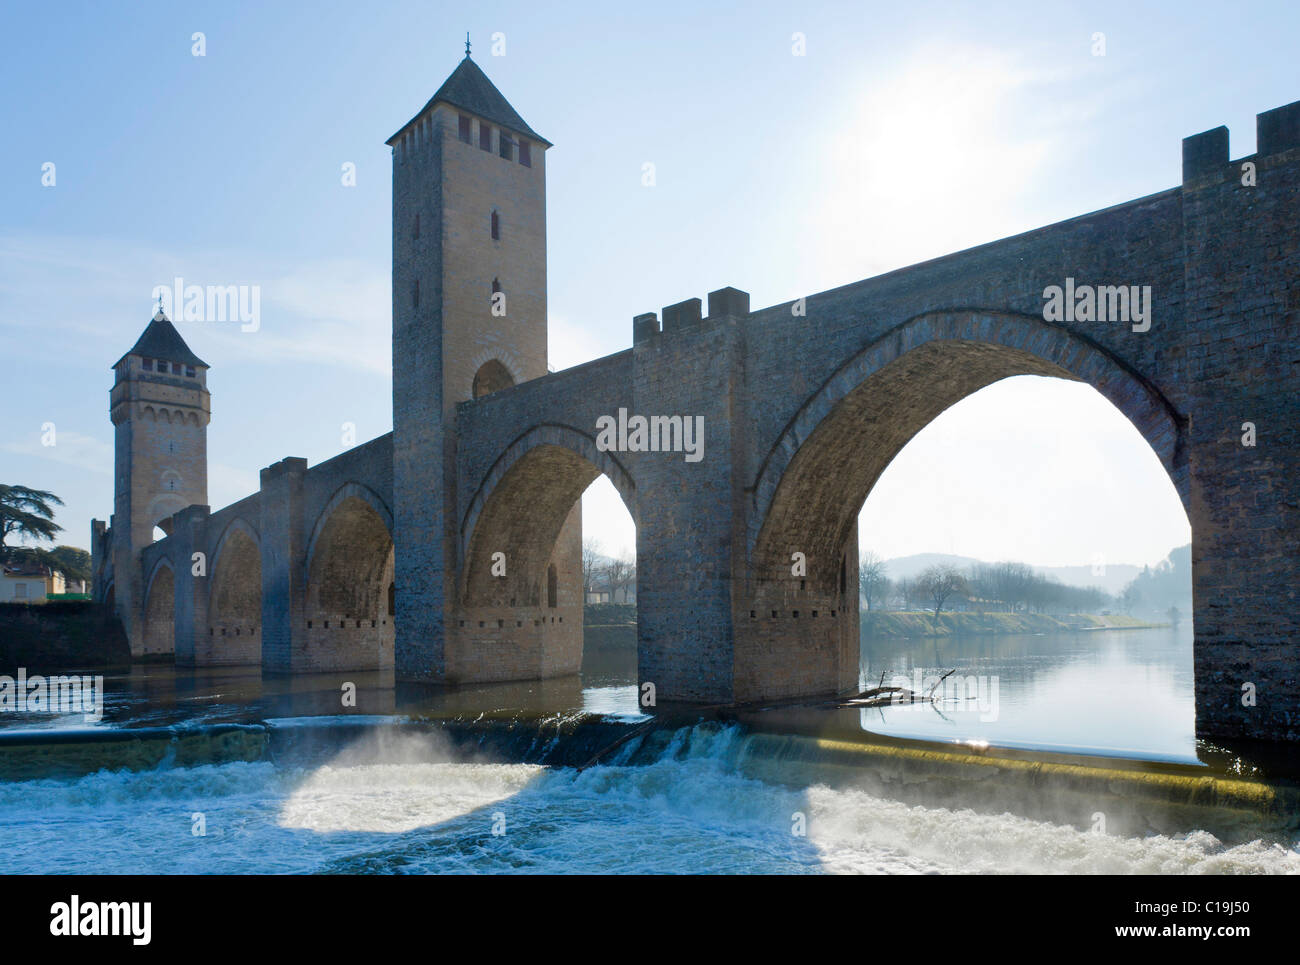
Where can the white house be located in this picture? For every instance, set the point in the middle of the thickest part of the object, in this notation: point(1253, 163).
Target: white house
point(29, 583)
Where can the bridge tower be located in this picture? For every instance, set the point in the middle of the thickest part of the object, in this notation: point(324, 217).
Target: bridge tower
point(469, 319)
point(160, 409)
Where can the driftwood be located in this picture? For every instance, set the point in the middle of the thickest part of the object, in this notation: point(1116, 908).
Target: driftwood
point(882, 696)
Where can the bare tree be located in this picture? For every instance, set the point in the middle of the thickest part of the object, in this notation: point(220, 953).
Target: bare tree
point(591, 561)
point(905, 591)
point(873, 582)
point(1130, 598)
point(939, 584)
point(619, 575)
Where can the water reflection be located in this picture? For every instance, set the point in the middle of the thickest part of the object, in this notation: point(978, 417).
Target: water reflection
point(154, 695)
point(1108, 692)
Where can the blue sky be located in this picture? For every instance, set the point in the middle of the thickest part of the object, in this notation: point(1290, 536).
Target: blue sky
point(905, 131)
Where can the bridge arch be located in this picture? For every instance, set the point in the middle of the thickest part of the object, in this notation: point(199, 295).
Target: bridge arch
point(522, 504)
point(815, 478)
point(349, 579)
point(813, 481)
point(160, 609)
point(235, 597)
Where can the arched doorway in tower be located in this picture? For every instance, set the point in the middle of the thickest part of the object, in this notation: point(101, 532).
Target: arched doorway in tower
point(540, 537)
point(234, 632)
point(159, 630)
point(492, 376)
point(1010, 512)
point(350, 587)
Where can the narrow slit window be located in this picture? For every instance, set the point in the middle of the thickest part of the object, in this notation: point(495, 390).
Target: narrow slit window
point(496, 226)
point(466, 126)
point(525, 154)
point(485, 136)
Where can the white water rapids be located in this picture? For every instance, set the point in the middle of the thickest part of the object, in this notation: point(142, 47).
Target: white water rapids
point(690, 811)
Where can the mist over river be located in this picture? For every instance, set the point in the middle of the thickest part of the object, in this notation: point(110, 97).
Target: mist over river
point(691, 810)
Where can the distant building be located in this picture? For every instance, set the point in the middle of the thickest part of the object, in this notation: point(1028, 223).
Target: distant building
point(29, 583)
point(623, 595)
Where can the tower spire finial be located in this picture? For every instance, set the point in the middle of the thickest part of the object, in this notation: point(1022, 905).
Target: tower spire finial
point(466, 43)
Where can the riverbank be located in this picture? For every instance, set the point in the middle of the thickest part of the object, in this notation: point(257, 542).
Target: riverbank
point(922, 624)
point(609, 615)
point(62, 635)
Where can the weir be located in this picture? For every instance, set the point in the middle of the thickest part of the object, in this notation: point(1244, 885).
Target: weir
point(1136, 797)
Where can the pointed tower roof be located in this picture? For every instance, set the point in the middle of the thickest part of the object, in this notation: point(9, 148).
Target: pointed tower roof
point(469, 89)
point(160, 340)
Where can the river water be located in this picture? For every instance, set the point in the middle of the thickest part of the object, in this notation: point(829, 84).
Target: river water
point(1115, 693)
point(411, 806)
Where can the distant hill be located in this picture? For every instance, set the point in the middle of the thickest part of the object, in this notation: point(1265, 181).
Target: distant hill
point(1114, 579)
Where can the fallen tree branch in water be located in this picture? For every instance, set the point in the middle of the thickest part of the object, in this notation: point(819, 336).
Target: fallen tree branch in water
point(882, 696)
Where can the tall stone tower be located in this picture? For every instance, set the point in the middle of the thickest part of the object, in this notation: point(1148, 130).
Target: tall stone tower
point(469, 319)
point(160, 409)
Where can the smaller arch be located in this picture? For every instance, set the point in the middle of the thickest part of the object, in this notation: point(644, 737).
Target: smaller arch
point(236, 525)
point(158, 629)
point(492, 376)
point(523, 503)
point(234, 599)
point(159, 564)
point(349, 490)
point(546, 434)
point(499, 353)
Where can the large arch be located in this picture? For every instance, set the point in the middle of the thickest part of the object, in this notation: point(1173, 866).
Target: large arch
point(521, 588)
point(813, 481)
point(847, 432)
point(160, 611)
point(349, 576)
point(235, 599)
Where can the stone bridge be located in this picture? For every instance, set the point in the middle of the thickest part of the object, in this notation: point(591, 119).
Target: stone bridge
point(803, 405)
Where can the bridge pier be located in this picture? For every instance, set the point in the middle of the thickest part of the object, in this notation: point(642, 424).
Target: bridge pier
point(191, 613)
point(797, 632)
point(284, 535)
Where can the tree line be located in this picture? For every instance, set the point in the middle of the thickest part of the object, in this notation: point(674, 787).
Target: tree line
point(1011, 587)
point(609, 573)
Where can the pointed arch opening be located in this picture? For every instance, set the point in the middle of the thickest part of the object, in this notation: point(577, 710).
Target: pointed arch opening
point(350, 580)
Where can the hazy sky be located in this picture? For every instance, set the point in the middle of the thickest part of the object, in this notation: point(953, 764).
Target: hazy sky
point(906, 131)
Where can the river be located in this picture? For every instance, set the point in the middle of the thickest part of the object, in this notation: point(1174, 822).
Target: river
point(412, 806)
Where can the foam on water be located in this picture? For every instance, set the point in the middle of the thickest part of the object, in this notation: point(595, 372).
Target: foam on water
point(691, 810)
